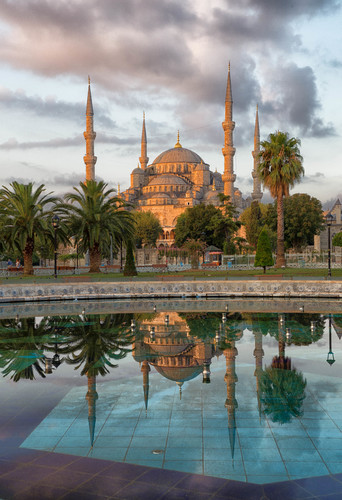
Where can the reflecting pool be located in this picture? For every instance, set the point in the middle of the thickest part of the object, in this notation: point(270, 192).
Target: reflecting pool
point(209, 388)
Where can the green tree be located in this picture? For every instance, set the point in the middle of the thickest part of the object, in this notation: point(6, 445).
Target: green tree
point(129, 269)
point(207, 223)
point(25, 215)
point(95, 217)
point(303, 218)
point(199, 223)
point(337, 240)
point(253, 218)
point(147, 228)
point(194, 247)
point(280, 168)
point(263, 257)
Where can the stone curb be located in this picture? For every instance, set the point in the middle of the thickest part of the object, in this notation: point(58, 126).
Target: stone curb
point(174, 289)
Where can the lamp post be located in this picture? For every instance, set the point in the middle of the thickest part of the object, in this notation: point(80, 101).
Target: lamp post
point(329, 219)
point(55, 225)
point(330, 356)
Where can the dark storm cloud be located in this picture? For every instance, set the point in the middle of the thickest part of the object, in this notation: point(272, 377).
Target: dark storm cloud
point(134, 47)
point(296, 101)
point(52, 108)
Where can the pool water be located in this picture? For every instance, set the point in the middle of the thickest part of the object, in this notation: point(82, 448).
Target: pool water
point(254, 397)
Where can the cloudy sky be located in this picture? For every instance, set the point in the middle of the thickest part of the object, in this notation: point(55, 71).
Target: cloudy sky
point(168, 58)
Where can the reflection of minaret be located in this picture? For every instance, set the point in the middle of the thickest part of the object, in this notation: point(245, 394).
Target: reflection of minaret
point(143, 158)
point(145, 368)
point(231, 403)
point(228, 150)
point(91, 397)
point(258, 354)
point(256, 194)
point(89, 135)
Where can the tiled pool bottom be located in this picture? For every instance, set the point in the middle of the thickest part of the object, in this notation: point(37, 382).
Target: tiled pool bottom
point(196, 433)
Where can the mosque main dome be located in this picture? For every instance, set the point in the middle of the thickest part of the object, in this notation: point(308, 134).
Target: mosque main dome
point(178, 155)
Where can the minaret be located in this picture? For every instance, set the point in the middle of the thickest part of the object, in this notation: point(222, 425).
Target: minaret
point(256, 194)
point(91, 397)
point(143, 158)
point(228, 150)
point(146, 383)
point(89, 135)
point(231, 403)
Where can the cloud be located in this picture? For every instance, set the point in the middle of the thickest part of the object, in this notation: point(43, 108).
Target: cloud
point(52, 108)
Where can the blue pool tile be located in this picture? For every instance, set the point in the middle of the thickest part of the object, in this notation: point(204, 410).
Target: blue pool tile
point(260, 467)
point(252, 432)
point(328, 443)
point(149, 441)
point(80, 452)
point(178, 441)
point(332, 456)
point(259, 442)
point(298, 443)
point(264, 454)
point(149, 431)
point(186, 453)
point(112, 442)
point(191, 466)
point(143, 454)
point(186, 432)
point(215, 442)
point(40, 443)
point(300, 455)
point(221, 454)
point(224, 467)
point(306, 469)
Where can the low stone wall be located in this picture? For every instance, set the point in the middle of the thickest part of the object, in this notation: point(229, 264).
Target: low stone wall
point(174, 289)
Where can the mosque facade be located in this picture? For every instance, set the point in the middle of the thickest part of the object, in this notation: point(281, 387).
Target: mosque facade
point(179, 178)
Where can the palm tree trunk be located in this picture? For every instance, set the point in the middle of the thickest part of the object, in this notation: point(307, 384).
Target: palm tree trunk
point(280, 262)
point(95, 258)
point(28, 252)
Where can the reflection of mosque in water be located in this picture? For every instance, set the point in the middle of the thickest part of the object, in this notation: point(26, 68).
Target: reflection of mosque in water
point(165, 343)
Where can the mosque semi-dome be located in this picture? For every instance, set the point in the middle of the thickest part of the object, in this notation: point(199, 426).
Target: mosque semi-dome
point(167, 180)
point(178, 155)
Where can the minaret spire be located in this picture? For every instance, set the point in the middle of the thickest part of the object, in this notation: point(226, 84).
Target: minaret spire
point(228, 150)
point(89, 135)
point(143, 158)
point(256, 194)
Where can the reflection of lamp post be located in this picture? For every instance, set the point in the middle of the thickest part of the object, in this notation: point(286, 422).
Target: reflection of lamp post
point(55, 224)
point(329, 219)
point(330, 356)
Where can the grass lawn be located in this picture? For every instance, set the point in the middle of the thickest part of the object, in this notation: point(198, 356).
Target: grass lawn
point(193, 274)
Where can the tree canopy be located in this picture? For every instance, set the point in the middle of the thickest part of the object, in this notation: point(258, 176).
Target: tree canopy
point(253, 218)
point(303, 218)
point(279, 169)
point(95, 218)
point(337, 240)
point(263, 256)
point(147, 228)
point(25, 216)
point(206, 223)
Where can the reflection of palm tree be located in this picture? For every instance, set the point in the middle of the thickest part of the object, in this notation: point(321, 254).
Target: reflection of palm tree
point(22, 348)
point(282, 388)
point(94, 343)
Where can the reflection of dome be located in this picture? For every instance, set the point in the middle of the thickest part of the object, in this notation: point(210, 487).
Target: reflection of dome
point(178, 155)
point(166, 180)
point(178, 373)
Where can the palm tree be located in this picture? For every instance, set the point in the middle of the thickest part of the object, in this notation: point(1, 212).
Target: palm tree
point(25, 216)
point(280, 168)
point(94, 216)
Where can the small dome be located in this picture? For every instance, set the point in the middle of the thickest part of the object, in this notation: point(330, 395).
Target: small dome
point(138, 170)
point(167, 180)
point(178, 155)
point(201, 166)
point(161, 195)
